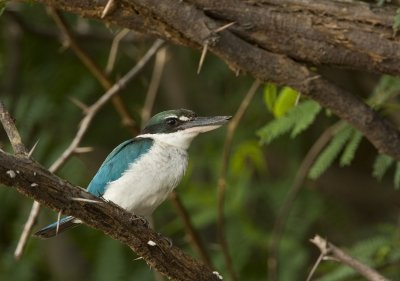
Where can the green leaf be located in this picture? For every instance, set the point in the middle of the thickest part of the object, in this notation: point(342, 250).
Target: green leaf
point(3, 4)
point(396, 21)
point(387, 87)
point(380, 2)
point(270, 94)
point(351, 147)
point(381, 165)
point(285, 101)
point(248, 152)
point(397, 176)
point(306, 116)
point(328, 155)
point(298, 119)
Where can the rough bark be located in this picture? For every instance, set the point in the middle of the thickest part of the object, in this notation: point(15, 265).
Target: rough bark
point(270, 37)
point(36, 182)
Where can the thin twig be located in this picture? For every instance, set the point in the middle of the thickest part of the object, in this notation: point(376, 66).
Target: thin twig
point(222, 177)
point(222, 28)
point(315, 266)
point(284, 212)
point(84, 124)
point(12, 132)
point(114, 49)
point(161, 59)
point(58, 222)
point(194, 237)
point(329, 251)
point(104, 99)
point(30, 222)
point(108, 8)
point(207, 42)
point(202, 57)
point(33, 149)
point(105, 82)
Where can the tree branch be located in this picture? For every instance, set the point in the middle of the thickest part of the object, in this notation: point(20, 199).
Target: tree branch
point(100, 75)
point(12, 132)
point(330, 251)
point(34, 181)
point(190, 24)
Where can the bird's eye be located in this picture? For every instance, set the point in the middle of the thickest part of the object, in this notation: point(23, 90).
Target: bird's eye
point(172, 121)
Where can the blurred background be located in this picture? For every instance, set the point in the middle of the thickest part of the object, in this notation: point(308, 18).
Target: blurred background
point(355, 204)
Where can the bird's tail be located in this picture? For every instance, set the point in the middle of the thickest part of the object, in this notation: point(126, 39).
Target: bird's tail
point(57, 227)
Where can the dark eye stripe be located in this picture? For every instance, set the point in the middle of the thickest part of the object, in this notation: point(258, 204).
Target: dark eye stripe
point(172, 121)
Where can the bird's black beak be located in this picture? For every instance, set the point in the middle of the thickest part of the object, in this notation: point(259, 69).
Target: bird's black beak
point(204, 124)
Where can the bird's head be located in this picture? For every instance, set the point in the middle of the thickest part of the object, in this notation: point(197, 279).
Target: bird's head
point(179, 127)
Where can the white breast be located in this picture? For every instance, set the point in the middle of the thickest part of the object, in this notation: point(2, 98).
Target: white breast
point(148, 181)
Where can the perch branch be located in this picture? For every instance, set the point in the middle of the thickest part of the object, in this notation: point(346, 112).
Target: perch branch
point(34, 181)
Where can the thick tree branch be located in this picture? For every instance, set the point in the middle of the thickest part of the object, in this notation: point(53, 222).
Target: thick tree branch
point(190, 24)
point(35, 182)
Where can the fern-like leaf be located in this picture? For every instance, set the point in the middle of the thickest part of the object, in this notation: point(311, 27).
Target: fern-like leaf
point(306, 114)
point(270, 95)
point(299, 118)
point(381, 165)
point(351, 148)
point(276, 128)
point(328, 155)
point(396, 179)
point(396, 22)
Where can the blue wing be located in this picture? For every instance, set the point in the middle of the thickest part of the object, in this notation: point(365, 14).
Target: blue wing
point(117, 162)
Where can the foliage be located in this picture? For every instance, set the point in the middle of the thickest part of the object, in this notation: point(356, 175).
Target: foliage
point(396, 21)
point(288, 116)
point(328, 155)
point(337, 204)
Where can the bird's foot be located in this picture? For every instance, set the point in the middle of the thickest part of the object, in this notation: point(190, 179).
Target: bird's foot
point(143, 220)
point(166, 240)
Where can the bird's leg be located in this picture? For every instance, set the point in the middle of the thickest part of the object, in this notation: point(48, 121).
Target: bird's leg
point(166, 240)
point(142, 219)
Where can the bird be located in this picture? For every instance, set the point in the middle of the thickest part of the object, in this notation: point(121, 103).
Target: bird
point(140, 173)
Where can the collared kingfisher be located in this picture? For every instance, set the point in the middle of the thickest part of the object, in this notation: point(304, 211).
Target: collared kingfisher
point(140, 173)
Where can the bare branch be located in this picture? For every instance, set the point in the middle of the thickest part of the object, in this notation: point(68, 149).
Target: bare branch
point(103, 79)
point(284, 212)
point(103, 100)
point(12, 132)
point(194, 238)
point(329, 251)
point(222, 177)
point(160, 61)
point(26, 232)
point(114, 49)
